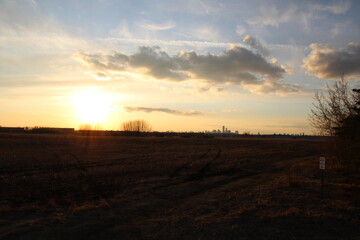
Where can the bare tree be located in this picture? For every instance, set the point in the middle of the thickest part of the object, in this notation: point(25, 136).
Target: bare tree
point(86, 126)
point(331, 109)
point(89, 126)
point(337, 113)
point(136, 126)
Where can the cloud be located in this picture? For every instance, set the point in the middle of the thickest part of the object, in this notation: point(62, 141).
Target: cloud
point(326, 62)
point(196, 7)
point(236, 65)
point(156, 27)
point(24, 18)
point(276, 14)
point(240, 30)
point(277, 87)
point(113, 42)
point(205, 33)
point(272, 15)
point(122, 30)
point(339, 28)
point(215, 90)
point(292, 125)
point(254, 43)
point(164, 110)
point(339, 7)
point(99, 76)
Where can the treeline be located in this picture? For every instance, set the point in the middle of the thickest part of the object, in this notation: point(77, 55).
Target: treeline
point(36, 130)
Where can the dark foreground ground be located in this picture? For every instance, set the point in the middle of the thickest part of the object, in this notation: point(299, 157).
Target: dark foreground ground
point(78, 187)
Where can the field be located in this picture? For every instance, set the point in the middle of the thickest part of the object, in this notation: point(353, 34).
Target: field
point(103, 187)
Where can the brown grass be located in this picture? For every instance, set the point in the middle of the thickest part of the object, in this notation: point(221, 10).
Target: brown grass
point(98, 187)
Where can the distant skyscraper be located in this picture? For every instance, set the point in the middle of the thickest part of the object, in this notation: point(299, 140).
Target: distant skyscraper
point(223, 130)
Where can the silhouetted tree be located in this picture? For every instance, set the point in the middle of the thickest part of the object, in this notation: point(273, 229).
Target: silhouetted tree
point(337, 114)
point(136, 126)
point(349, 133)
point(332, 108)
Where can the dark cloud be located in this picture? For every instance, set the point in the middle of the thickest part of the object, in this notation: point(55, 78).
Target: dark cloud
point(254, 43)
point(164, 110)
point(326, 62)
point(208, 89)
point(235, 65)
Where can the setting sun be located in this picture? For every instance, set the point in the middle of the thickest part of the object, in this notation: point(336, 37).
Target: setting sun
point(92, 106)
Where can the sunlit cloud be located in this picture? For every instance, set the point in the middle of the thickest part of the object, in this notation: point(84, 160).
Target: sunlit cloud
point(163, 110)
point(156, 27)
point(286, 125)
point(204, 32)
point(326, 62)
point(99, 76)
point(277, 87)
point(193, 44)
point(216, 90)
point(236, 65)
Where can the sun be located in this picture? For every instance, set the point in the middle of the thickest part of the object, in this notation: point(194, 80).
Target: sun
point(92, 106)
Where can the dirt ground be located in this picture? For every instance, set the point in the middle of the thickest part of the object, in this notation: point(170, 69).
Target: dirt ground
point(108, 187)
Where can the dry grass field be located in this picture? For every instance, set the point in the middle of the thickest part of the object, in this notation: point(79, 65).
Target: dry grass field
point(103, 187)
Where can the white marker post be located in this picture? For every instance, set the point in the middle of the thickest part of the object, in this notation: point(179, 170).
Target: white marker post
point(322, 169)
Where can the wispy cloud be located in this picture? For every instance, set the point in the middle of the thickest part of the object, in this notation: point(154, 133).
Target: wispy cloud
point(204, 32)
point(326, 62)
point(278, 87)
point(164, 110)
point(24, 18)
point(156, 27)
point(122, 30)
point(339, 7)
point(115, 41)
point(293, 125)
point(339, 28)
point(196, 7)
point(240, 30)
point(271, 15)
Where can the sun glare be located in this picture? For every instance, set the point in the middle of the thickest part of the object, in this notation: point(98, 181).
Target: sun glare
point(92, 106)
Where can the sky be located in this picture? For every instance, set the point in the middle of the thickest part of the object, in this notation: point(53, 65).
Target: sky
point(189, 65)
